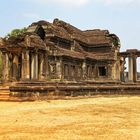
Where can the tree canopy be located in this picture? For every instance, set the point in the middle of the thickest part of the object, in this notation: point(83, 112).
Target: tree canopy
point(16, 32)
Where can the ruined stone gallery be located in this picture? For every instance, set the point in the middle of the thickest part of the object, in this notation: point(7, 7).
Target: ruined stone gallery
point(61, 53)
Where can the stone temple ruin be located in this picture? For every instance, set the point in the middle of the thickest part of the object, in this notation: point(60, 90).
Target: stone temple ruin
point(59, 57)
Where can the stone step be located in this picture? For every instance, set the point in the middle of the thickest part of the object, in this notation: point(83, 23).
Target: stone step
point(9, 98)
point(15, 99)
point(4, 93)
point(2, 98)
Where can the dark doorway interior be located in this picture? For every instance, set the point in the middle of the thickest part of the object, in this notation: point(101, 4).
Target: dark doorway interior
point(40, 31)
point(102, 71)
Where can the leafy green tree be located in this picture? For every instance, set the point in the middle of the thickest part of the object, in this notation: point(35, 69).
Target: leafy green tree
point(16, 32)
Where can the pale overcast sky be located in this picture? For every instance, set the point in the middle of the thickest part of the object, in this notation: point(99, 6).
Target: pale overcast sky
point(121, 17)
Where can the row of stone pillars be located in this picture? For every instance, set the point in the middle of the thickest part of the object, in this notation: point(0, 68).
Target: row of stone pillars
point(33, 66)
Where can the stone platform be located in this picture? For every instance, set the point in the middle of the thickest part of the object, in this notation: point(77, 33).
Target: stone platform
point(73, 89)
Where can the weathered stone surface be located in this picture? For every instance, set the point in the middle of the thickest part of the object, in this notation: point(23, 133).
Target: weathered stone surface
point(59, 52)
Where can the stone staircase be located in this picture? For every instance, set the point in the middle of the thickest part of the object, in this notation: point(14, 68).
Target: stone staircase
point(5, 96)
point(4, 93)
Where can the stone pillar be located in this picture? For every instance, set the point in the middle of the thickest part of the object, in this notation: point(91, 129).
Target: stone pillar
point(122, 65)
point(109, 71)
point(84, 69)
point(134, 69)
point(34, 66)
point(41, 68)
point(130, 69)
point(132, 75)
point(5, 66)
point(46, 67)
point(25, 66)
point(59, 68)
point(118, 70)
point(15, 68)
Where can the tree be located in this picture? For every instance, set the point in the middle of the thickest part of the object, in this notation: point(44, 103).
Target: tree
point(16, 32)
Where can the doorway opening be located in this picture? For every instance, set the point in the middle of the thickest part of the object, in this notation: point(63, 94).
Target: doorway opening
point(102, 71)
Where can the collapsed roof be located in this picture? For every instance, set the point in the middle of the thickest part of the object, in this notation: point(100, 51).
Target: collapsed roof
point(38, 33)
point(66, 31)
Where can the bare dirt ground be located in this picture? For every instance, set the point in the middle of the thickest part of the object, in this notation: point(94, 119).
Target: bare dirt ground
point(102, 118)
